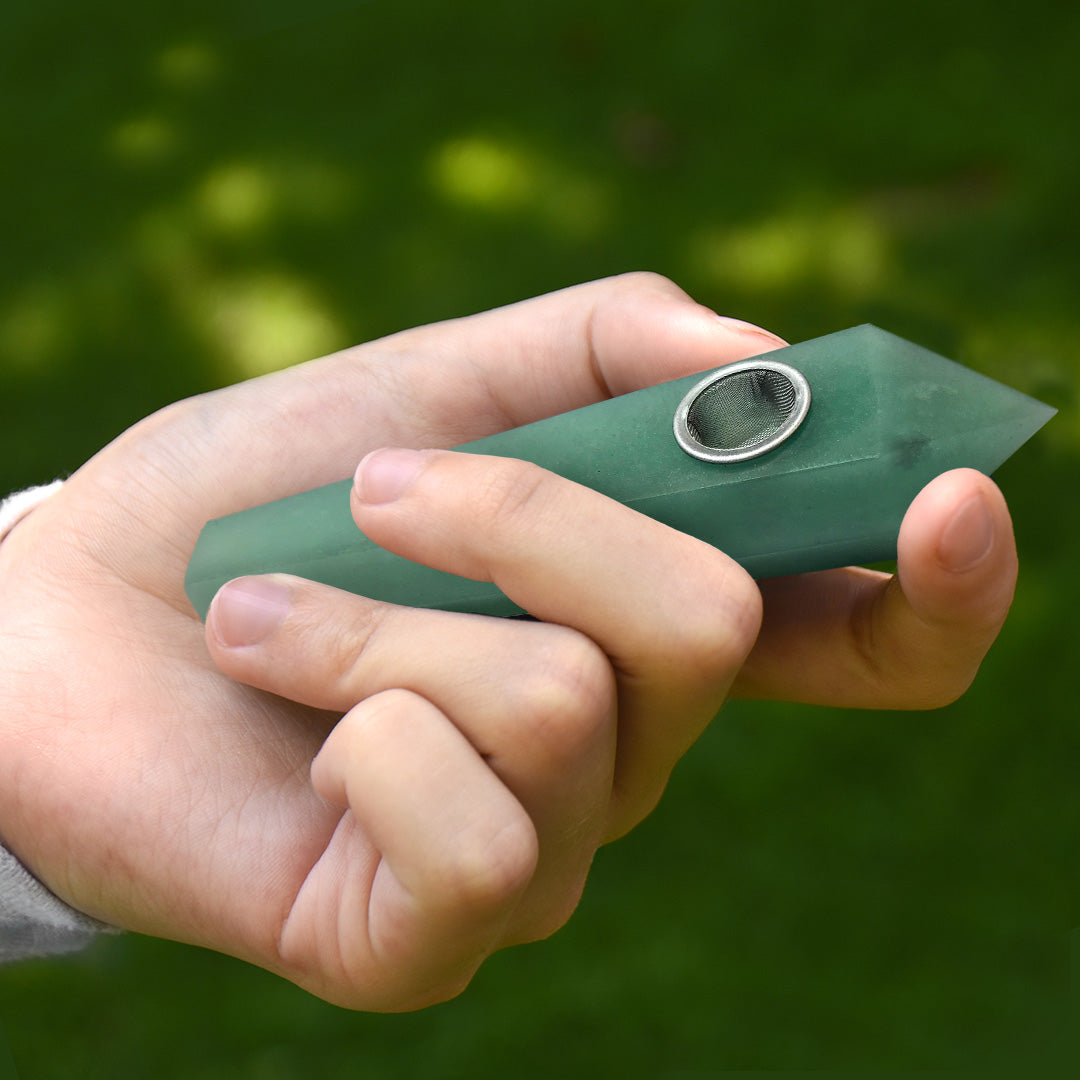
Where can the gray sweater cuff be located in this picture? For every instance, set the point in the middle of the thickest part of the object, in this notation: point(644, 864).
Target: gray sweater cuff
point(34, 922)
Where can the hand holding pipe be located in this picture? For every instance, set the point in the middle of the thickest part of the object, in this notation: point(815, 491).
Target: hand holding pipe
point(803, 459)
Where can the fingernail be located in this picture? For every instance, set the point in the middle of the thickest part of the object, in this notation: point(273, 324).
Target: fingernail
point(739, 327)
point(968, 537)
point(384, 475)
point(248, 610)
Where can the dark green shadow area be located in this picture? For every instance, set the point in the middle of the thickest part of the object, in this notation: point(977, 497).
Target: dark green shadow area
point(198, 193)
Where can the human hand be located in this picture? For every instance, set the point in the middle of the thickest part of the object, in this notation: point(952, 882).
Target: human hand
point(150, 790)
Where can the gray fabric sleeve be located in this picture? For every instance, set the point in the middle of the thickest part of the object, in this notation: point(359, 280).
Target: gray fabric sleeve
point(34, 922)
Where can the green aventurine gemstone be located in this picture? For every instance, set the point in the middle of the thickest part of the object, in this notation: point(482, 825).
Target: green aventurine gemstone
point(885, 417)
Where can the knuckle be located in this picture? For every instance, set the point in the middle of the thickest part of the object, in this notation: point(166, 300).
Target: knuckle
point(509, 493)
point(716, 629)
point(487, 870)
point(648, 281)
point(567, 701)
point(368, 728)
point(344, 644)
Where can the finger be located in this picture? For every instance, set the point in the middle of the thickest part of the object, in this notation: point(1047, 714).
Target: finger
point(536, 701)
point(455, 854)
point(440, 385)
point(675, 616)
point(914, 641)
point(570, 348)
point(449, 383)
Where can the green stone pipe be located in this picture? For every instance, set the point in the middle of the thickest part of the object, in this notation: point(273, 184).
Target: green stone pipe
point(785, 477)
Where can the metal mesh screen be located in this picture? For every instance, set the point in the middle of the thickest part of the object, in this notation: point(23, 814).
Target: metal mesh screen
point(742, 409)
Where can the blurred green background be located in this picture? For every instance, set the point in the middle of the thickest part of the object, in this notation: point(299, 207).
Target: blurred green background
point(193, 194)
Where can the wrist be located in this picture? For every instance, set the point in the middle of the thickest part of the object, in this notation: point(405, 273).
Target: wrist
point(34, 921)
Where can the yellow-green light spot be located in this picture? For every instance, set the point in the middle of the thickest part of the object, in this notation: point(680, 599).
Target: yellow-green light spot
point(143, 140)
point(481, 172)
point(266, 321)
point(843, 249)
point(34, 329)
point(189, 65)
point(237, 198)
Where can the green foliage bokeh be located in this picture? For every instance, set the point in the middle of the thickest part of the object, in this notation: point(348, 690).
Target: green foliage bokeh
point(199, 193)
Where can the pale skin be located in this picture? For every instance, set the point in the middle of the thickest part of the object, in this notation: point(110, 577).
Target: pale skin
point(371, 800)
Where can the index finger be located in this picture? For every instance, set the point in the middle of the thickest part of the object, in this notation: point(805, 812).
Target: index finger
point(437, 386)
point(452, 382)
point(567, 349)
